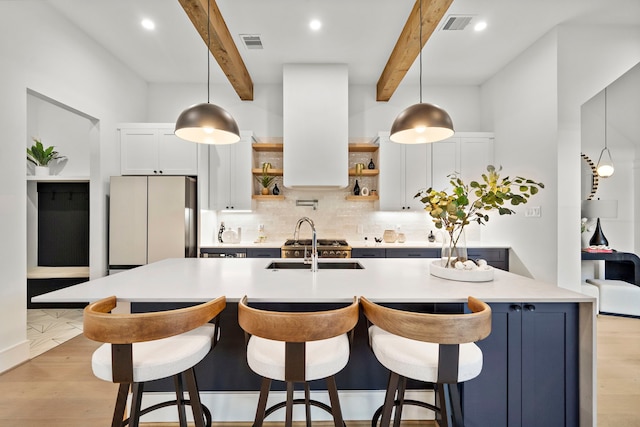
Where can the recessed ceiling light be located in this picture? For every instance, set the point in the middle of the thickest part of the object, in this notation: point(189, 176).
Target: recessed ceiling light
point(480, 26)
point(315, 24)
point(148, 24)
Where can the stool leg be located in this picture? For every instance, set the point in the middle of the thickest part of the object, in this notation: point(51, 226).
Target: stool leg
point(262, 402)
point(402, 386)
point(456, 407)
point(336, 411)
point(389, 399)
point(289, 410)
point(134, 417)
point(194, 397)
point(121, 404)
point(182, 416)
point(307, 405)
point(444, 405)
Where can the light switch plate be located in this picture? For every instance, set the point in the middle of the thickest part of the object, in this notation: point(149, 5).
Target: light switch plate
point(533, 212)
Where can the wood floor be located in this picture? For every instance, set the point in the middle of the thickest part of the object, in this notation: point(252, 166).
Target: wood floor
point(58, 388)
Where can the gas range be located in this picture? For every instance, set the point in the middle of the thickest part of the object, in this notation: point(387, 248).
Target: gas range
point(327, 248)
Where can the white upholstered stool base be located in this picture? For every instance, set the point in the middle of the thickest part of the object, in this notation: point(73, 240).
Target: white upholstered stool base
point(617, 296)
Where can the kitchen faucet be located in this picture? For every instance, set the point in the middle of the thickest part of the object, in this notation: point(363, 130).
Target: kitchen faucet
point(314, 242)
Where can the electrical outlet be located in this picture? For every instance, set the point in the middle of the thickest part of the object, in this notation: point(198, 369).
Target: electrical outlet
point(360, 229)
point(533, 212)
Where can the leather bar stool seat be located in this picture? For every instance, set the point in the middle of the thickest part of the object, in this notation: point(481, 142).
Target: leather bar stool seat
point(433, 348)
point(298, 347)
point(142, 347)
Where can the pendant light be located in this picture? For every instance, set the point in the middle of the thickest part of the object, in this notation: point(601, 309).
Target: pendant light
point(207, 123)
point(421, 123)
point(605, 165)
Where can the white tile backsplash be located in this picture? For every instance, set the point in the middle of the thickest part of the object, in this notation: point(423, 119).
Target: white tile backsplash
point(335, 217)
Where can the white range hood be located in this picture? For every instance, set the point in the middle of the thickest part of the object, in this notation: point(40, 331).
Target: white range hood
point(316, 126)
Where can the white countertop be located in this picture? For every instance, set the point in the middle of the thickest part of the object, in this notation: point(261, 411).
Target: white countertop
point(382, 279)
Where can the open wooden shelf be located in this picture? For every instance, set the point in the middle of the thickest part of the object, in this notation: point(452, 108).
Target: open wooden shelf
point(363, 148)
point(268, 146)
point(267, 197)
point(270, 171)
point(353, 198)
point(365, 172)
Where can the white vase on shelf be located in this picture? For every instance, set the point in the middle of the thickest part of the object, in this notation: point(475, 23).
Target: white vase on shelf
point(41, 171)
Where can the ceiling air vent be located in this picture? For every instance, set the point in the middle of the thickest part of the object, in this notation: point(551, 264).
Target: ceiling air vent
point(251, 41)
point(456, 22)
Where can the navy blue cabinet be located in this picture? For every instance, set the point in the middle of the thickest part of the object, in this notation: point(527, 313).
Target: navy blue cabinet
point(263, 252)
point(368, 253)
point(530, 372)
point(413, 253)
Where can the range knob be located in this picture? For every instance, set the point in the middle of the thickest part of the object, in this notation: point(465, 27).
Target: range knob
point(296, 253)
point(324, 253)
point(332, 254)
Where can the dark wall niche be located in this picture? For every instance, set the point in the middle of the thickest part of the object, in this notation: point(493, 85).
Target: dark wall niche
point(63, 224)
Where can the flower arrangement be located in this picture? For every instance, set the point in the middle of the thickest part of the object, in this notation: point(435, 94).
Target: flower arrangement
point(453, 211)
point(265, 179)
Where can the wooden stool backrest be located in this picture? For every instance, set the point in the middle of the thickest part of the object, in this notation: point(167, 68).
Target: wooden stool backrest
point(122, 330)
point(435, 328)
point(116, 328)
point(297, 326)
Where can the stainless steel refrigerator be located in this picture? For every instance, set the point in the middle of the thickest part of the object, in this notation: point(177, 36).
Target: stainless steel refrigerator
point(151, 218)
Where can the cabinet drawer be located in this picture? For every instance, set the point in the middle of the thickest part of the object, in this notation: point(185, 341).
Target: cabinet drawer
point(263, 253)
point(368, 253)
point(413, 253)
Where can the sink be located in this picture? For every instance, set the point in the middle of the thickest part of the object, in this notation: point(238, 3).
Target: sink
point(283, 265)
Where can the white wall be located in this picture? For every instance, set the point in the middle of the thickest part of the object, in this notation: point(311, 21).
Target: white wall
point(589, 59)
point(534, 104)
point(520, 104)
point(43, 52)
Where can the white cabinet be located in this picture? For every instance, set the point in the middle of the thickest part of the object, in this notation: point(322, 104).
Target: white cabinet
point(230, 175)
point(465, 153)
point(153, 149)
point(404, 171)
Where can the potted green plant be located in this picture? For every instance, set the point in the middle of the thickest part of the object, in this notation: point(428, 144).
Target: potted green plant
point(265, 179)
point(472, 203)
point(40, 157)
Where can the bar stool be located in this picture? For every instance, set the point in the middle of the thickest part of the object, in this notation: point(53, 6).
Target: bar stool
point(434, 348)
point(143, 347)
point(298, 347)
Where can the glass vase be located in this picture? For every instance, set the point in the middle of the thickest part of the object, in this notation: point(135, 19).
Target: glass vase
point(454, 248)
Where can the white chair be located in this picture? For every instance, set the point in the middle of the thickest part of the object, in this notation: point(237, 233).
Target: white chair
point(298, 347)
point(434, 348)
point(143, 347)
point(617, 296)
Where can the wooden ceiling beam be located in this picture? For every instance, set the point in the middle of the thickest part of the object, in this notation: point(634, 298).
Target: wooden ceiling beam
point(406, 49)
point(222, 46)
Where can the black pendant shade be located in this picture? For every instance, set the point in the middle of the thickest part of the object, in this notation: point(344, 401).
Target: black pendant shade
point(208, 124)
point(421, 123)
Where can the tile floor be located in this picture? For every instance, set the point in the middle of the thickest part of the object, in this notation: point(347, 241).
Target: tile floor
point(49, 327)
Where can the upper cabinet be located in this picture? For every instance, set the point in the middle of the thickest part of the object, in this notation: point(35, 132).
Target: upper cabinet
point(230, 174)
point(407, 169)
point(153, 149)
point(465, 153)
point(404, 170)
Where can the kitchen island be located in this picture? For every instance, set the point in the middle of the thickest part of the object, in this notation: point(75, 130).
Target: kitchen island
point(539, 360)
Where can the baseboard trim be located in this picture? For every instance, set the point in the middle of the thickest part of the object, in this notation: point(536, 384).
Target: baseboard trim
point(14, 356)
